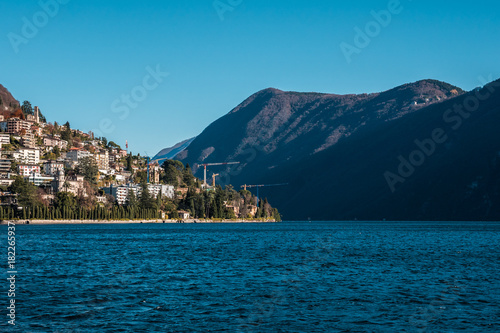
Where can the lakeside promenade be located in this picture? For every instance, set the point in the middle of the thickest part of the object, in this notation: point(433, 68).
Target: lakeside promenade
point(156, 221)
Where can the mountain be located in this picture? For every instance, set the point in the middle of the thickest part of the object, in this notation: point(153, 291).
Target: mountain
point(337, 152)
point(6, 99)
point(171, 153)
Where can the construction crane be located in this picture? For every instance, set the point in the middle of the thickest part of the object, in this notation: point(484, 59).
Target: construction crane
point(213, 178)
point(213, 164)
point(259, 186)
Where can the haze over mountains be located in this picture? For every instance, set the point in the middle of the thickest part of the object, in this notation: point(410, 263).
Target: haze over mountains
point(171, 152)
point(342, 154)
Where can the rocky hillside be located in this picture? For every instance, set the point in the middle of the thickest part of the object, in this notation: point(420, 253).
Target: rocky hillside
point(7, 100)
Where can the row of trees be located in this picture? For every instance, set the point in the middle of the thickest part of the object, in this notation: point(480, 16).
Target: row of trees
point(97, 213)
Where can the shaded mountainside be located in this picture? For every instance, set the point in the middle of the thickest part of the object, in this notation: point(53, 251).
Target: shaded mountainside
point(334, 152)
point(460, 180)
point(7, 100)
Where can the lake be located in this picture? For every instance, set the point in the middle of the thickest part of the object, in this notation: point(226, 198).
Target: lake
point(284, 277)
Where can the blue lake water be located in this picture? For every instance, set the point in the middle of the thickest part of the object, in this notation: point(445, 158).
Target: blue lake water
point(286, 277)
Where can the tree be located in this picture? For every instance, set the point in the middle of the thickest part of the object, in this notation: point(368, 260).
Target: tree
point(41, 116)
point(187, 176)
point(27, 108)
point(67, 125)
point(141, 177)
point(26, 191)
point(129, 162)
point(56, 151)
point(65, 201)
point(66, 134)
point(86, 197)
point(146, 201)
point(87, 167)
point(132, 199)
point(174, 171)
point(171, 175)
point(112, 144)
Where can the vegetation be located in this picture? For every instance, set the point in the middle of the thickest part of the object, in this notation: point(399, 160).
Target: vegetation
point(177, 175)
point(98, 213)
point(87, 167)
point(27, 108)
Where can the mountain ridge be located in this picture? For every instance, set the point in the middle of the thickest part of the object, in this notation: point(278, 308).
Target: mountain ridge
point(266, 113)
point(302, 139)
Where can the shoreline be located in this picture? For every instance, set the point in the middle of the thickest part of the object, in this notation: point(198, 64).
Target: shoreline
point(158, 221)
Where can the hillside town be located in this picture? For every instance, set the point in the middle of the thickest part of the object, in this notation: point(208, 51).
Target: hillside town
point(69, 170)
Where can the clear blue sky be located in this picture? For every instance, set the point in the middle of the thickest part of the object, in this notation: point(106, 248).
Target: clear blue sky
point(92, 52)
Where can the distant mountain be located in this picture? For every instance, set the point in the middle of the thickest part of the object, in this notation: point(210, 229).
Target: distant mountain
point(171, 153)
point(7, 101)
point(336, 151)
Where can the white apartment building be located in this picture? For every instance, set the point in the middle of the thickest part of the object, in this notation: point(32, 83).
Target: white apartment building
point(121, 192)
point(38, 179)
point(5, 165)
point(16, 125)
point(102, 160)
point(28, 140)
point(27, 155)
point(166, 191)
point(75, 155)
point(51, 141)
point(4, 138)
point(27, 170)
point(52, 167)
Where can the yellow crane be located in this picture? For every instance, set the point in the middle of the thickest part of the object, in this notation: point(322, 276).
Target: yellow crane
point(213, 178)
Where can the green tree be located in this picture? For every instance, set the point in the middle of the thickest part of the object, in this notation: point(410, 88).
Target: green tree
point(171, 175)
point(140, 177)
point(27, 108)
point(146, 201)
point(276, 215)
point(174, 172)
point(129, 162)
point(27, 193)
point(87, 167)
point(13, 166)
point(132, 200)
point(187, 176)
point(65, 201)
point(56, 151)
point(112, 144)
point(67, 134)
